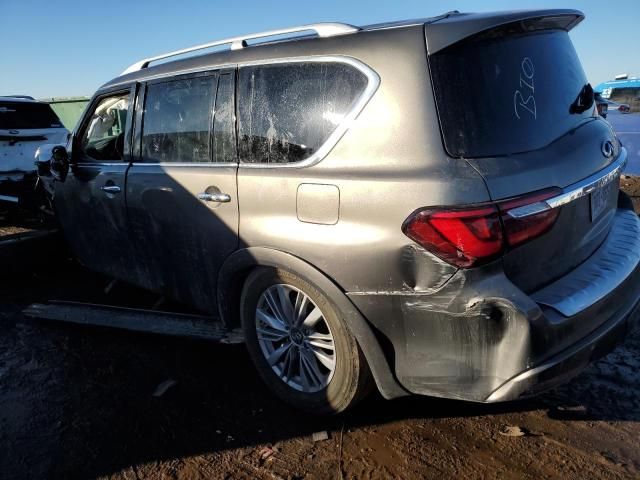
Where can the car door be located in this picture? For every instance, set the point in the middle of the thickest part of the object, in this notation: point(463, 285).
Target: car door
point(90, 203)
point(181, 190)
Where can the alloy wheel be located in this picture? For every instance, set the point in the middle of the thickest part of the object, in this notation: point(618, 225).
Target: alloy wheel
point(295, 338)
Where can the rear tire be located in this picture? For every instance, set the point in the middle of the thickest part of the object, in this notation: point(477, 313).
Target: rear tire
point(300, 345)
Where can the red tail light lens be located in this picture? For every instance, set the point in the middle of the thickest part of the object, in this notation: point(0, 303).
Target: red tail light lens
point(472, 236)
point(461, 237)
point(519, 229)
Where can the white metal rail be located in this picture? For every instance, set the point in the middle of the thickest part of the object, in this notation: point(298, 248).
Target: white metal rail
point(321, 30)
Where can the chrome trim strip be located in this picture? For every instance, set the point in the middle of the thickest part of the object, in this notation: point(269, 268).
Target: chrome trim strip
point(99, 164)
point(577, 190)
point(373, 82)
point(526, 210)
point(8, 198)
point(184, 71)
point(183, 164)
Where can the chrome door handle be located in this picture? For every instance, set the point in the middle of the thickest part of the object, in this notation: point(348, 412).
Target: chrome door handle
point(214, 197)
point(110, 189)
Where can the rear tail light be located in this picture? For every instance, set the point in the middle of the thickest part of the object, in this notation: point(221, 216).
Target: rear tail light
point(471, 236)
point(460, 237)
point(528, 217)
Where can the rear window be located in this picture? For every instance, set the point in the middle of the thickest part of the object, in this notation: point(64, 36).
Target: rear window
point(499, 95)
point(288, 111)
point(26, 115)
point(177, 120)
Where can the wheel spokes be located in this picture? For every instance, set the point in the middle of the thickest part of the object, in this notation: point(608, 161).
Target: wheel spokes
point(327, 360)
point(271, 334)
point(314, 316)
point(273, 322)
point(274, 305)
point(285, 304)
point(277, 353)
point(300, 308)
point(322, 340)
point(303, 374)
point(311, 369)
point(295, 338)
point(289, 364)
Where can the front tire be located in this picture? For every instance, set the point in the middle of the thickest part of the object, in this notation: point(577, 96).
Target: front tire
point(300, 345)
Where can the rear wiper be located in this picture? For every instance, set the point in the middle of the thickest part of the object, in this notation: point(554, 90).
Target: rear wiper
point(584, 100)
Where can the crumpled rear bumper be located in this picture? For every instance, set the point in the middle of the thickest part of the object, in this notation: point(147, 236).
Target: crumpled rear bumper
point(569, 363)
point(481, 338)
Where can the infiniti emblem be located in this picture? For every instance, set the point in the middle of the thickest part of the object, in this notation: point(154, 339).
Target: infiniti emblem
point(607, 148)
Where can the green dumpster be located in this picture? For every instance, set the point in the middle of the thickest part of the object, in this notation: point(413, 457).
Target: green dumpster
point(68, 109)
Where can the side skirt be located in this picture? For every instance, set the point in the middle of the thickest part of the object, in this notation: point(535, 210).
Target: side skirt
point(150, 321)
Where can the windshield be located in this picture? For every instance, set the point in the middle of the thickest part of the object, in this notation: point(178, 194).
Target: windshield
point(499, 95)
point(27, 115)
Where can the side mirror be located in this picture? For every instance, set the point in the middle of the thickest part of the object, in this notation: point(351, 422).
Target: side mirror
point(59, 163)
point(52, 161)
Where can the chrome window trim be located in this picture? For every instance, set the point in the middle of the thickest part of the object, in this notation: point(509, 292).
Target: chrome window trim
point(186, 164)
point(575, 191)
point(99, 164)
point(177, 73)
point(373, 82)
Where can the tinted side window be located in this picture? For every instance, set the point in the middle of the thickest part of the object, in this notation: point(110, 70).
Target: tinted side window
point(177, 120)
point(103, 137)
point(224, 130)
point(287, 111)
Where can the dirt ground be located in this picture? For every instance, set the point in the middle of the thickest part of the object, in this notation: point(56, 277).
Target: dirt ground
point(77, 402)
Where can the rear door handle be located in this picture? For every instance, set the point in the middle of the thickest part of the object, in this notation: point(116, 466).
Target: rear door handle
point(214, 197)
point(110, 189)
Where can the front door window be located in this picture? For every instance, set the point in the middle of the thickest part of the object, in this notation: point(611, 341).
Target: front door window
point(103, 137)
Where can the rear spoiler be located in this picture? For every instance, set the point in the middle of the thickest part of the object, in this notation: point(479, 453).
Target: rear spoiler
point(455, 27)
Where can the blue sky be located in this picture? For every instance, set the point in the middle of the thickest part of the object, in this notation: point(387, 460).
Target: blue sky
point(63, 48)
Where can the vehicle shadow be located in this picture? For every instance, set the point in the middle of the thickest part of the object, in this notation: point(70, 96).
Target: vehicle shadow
point(112, 420)
point(93, 391)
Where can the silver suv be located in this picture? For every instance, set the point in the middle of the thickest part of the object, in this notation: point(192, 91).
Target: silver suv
point(431, 206)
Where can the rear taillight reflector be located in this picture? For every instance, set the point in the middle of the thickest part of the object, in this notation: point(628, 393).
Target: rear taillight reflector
point(528, 217)
point(460, 237)
point(474, 235)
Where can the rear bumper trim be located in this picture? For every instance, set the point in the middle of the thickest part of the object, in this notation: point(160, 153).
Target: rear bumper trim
point(568, 363)
point(607, 268)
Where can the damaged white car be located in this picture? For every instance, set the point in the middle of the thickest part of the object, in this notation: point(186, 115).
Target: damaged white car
point(25, 124)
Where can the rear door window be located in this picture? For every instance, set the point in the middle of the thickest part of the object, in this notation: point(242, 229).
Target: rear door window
point(287, 111)
point(177, 120)
point(26, 116)
point(505, 92)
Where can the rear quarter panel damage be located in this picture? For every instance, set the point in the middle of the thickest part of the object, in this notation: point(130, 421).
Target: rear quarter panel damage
point(462, 340)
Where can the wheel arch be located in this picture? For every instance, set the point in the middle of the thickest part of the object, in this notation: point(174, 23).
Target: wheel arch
point(237, 267)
